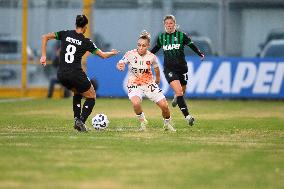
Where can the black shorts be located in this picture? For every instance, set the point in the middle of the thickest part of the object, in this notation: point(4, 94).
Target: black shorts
point(75, 79)
point(171, 76)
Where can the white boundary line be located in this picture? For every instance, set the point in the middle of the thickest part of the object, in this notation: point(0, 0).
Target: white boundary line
point(14, 100)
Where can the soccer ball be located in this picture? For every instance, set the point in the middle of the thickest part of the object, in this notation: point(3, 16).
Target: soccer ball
point(100, 122)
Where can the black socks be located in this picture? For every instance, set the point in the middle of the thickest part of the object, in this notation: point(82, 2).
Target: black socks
point(182, 105)
point(77, 105)
point(87, 109)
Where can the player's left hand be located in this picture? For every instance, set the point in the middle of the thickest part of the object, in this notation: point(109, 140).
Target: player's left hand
point(43, 60)
point(114, 51)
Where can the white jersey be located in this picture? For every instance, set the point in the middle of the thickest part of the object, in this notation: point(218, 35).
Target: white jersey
point(139, 67)
point(140, 78)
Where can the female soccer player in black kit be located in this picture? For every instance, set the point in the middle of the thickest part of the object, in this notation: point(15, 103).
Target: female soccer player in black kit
point(175, 66)
point(70, 73)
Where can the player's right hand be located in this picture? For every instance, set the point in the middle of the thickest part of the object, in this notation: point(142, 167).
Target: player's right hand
point(120, 66)
point(43, 60)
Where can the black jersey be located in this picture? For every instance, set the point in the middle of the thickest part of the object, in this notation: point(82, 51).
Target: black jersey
point(173, 47)
point(73, 46)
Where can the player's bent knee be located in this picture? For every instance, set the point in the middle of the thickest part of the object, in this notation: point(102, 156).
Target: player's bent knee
point(89, 93)
point(135, 101)
point(164, 106)
point(163, 102)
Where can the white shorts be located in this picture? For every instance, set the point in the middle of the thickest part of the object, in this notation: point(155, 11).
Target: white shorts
point(151, 91)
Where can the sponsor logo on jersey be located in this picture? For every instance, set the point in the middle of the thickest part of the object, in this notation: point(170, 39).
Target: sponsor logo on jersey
point(171, 47)
point(140, 70)
point(148, 62)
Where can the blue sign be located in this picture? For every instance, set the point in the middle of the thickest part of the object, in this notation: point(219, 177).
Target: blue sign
point(212, 78)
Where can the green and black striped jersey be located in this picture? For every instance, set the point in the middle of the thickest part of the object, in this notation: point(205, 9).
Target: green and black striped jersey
point(173, 48)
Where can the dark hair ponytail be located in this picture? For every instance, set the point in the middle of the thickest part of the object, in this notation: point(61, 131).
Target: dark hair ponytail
point(81, 21)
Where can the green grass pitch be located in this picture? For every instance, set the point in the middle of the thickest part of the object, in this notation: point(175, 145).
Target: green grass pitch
point(234, 144)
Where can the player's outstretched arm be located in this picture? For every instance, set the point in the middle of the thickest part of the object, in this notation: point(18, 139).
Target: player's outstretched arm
point(104, 55)
point(155, 49)
point(44, 40)
point(197, 51)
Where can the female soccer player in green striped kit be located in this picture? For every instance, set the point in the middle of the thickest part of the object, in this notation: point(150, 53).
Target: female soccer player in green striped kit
point(175, 67)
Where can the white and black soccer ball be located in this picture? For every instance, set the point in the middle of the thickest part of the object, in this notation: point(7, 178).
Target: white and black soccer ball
point(100, 122)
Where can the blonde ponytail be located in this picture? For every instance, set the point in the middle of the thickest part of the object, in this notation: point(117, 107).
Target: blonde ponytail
point(145, 35)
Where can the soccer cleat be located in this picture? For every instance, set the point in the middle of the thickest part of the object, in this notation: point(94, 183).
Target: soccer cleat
point(169, 127)
point(190, 120)
point(143, 125)
point(174, 102)
point(75, 126)
point(80, 126)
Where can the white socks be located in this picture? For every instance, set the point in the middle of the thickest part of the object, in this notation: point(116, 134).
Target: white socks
point(167, 121)
point(141, 117)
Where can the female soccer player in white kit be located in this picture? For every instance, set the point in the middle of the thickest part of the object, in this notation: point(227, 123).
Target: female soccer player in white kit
point(141, 81)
